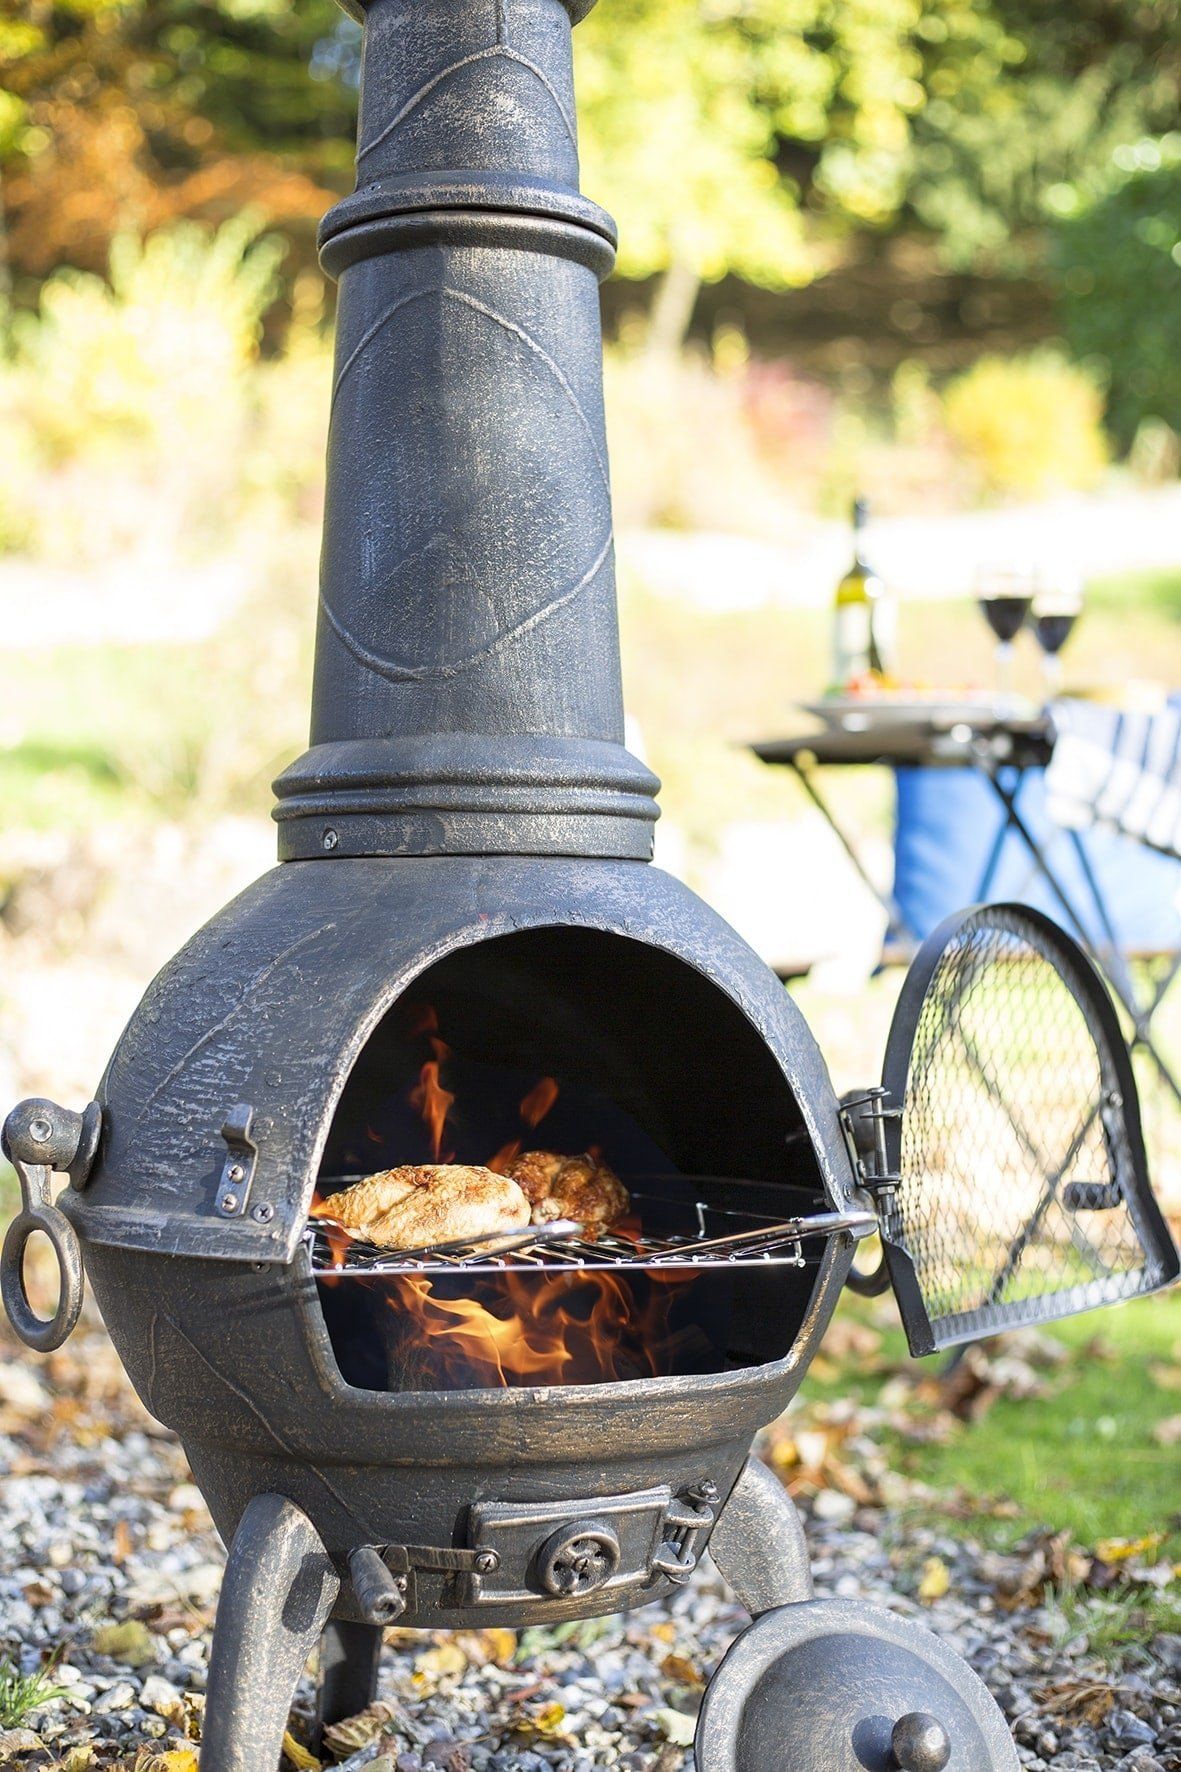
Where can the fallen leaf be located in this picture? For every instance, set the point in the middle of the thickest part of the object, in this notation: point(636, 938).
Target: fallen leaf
point(678, 1668)
point(15, 1742)
point(481, 1647)
point(353, 1733)
point(935, 1580)
point(444, 1659)
point(297, 1753)
point(180, 1759)
point(676, 1726)
point(122, 1547)
point(130, 1643)
point(549, 1719)
point(1122, 1550)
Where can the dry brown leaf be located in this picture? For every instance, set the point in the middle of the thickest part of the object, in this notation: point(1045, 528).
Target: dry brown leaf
point(1088, 1700)
point(354, 1733)
point(445, 1659)
point(481, 1647)
point(682, 1670)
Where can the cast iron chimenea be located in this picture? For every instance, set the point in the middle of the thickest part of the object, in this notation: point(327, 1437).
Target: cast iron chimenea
point(465, 862)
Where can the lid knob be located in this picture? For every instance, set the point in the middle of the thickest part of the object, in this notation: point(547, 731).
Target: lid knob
point(920, 1743)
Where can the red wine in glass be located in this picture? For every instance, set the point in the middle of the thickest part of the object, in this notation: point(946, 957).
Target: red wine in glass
point(1005, 614)
point(1055, 612)
point(1005, 596)
point(1053, 628)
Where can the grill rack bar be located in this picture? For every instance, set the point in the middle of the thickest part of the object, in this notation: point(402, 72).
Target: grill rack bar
point(564, 1245)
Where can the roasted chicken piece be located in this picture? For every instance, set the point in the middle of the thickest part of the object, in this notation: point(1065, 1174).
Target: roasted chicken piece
point(419, 1205)
point(581, 1188)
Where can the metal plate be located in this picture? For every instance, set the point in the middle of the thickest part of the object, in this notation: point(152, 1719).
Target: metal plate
point(820, 1687)
point(1022, 1188)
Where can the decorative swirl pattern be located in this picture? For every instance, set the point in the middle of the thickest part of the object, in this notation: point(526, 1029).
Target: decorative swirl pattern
point(498, 51)
point(401, 672)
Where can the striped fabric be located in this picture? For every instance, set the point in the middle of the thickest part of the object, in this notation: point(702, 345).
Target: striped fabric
point(1118, 769)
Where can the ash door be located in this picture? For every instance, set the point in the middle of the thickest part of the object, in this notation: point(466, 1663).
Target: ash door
point(1017, 1187)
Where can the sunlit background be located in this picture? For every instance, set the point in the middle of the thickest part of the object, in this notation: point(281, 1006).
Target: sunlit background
point(923, 251)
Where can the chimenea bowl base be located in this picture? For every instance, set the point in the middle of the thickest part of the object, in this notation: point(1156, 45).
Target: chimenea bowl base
point(812, 1686)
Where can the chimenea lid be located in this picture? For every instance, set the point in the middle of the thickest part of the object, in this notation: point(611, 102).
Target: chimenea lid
point(839, 1686)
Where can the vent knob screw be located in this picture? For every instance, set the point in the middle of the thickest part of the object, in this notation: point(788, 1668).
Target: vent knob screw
point(920, 1743)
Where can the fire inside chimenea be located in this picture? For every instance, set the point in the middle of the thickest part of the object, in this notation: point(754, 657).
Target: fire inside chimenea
point(516, 1060)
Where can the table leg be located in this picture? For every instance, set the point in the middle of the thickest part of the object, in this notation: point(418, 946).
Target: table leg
point(897, 928)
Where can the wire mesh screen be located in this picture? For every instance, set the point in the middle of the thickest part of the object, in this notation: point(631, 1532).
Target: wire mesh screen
point(1021, 1189)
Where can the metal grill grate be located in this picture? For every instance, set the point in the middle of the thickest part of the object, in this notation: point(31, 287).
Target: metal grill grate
point(1021, 1189)
point(706, 1237)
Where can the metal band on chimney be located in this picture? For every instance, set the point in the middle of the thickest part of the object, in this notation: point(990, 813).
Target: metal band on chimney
point(467, 693)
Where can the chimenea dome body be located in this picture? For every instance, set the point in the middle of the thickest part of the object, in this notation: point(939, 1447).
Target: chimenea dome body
point(465, 905)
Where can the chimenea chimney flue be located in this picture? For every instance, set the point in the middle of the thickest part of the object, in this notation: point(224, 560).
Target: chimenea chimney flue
point(467, 690)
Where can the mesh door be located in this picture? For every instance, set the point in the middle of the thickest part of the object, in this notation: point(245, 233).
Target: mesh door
point(1022, 1192)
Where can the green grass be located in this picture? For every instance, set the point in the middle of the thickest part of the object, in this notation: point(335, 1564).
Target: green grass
point(1082, 1457)
point(1157, 593)
point(22, 1693)
point(1114, 1623)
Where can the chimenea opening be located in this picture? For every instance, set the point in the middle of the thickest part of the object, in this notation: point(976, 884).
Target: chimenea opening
point(573, 1042)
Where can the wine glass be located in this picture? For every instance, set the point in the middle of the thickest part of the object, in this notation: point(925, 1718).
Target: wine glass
point(1055, 610)
point(1005, 595)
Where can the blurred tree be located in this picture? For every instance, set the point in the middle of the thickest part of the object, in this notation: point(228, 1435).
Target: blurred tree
point(709, 126)
point(119, 115)
point(1026, 103)
point(1119, 266)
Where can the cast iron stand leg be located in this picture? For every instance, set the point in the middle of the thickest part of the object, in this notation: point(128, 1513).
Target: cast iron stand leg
point(349, 1654)
point(759, 1546)
point(278, 1590)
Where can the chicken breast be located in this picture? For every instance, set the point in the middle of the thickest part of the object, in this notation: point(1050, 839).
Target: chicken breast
point(416, 1206)
point(581, 1188)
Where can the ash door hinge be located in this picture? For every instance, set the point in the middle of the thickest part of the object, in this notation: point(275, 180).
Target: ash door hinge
point(864, 1117)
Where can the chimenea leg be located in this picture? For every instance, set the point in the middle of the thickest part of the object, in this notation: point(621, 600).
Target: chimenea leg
point(278, 1590)
point(349, 1655)
point(759, 1546)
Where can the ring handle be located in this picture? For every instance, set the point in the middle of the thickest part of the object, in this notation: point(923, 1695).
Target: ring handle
point(41, 1333)
point(40, 1138)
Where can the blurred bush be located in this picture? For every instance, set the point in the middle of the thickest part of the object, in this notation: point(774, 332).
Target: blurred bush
point(1119, 269)
point(710, 440)
point(128, 400)
point(1029, 424)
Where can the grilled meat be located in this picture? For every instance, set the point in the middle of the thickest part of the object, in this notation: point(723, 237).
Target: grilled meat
point(581, 1188)
point(418, 1205)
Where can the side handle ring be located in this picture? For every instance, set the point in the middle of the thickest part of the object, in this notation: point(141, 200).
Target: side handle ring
point(41, 1333)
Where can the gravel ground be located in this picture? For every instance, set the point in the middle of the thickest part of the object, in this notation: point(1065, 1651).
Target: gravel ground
point(109, 1562)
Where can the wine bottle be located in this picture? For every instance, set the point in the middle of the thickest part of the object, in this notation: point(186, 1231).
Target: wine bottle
point(858, 608)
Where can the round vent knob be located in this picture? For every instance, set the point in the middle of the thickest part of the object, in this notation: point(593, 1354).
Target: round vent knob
point(920, 1743)
point(578, 1559)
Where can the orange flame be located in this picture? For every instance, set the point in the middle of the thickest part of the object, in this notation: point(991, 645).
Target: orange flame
point(538, 1102)
point(533, 1110)
point(432, 1101)
point(536, 1328)
point(429, 1098)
